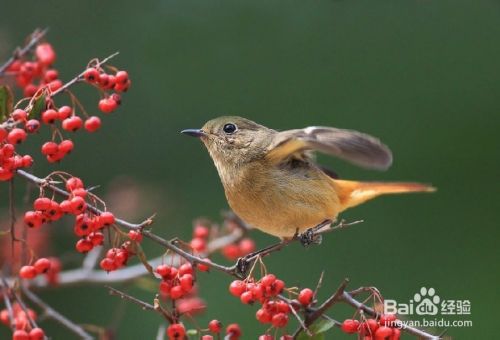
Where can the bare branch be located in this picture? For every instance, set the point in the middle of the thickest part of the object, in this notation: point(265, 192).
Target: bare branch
point(20, 52)
point(55, 315)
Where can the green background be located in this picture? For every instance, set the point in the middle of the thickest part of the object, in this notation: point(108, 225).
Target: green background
point(421, 75)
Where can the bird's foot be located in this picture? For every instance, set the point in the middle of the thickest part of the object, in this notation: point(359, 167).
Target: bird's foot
point(311, 235)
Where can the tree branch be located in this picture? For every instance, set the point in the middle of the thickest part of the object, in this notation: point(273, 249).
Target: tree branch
point(55, 315)
point(20, 52)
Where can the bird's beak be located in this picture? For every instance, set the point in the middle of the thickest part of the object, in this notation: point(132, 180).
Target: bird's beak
point(194, 132)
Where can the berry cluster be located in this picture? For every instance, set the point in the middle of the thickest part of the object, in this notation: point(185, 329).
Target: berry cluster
point(88, 226)
point(176, 282)
point(9, 161)
point(22, 325)
point(265, 291)
point(119, 82)
point(385, 328)
point(41, 266)
point(39, 81)
point(177, 331)
point(32, 75)
point(117, 258)
point(236, 250)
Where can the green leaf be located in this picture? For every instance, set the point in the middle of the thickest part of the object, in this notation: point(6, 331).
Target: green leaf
point(6, 102)
point(38, 107)
point(192, 332)
point(317, 329)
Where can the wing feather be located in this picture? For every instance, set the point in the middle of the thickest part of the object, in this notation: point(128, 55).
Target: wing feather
point(352, 146)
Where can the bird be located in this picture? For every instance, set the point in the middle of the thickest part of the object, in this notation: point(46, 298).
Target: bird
point(273, 183)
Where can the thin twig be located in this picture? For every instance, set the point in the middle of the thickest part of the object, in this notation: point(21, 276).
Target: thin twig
point(19, 52)
point(55, 315)
point(80, 76)
point(47, 184)
point(8, 304)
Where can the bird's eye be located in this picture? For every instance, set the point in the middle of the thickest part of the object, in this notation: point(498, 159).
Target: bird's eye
point(229, 128)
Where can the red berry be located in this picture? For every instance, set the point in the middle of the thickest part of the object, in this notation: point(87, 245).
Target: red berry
point(64, 112)
point(20, 334)
point(383, 333)
point(201, 231)
point(97, 238)
point(66, 146)
point(203, 267)
point(350, 326)
point(78, 205)
point(135, 235)
point(231, 251)
point(246, 246)
point(264, 316)
point(237, 287)
point(19, 115)
point(107, 105)
point(50, 148)
point(286, 337)
point(45, 54)
point(74, 183)
point(50, 75)
point(234, 331)
point(198, 244)
point(33, 219)
point(163, 270)
point(27, 272)
point(72, 123)
point(279, 320)
point(107, 218)
point(36, 334)
point(49, 116)
point(32, 126)
point(247, 298)
point(370, 326)
point(104, 80)
point(121, 77)
point(277, 287)
point(266, 337)
point(16, 136)
point(108, 264)
point(267, 280)
point(55, 85)
point(176, 331)
point(42, 204)
point(186, 282)
point(215, 326)
point(186, 268)
point(84, 246)
point(3, 134)
point(66, 207)
point(42, 265)
point(387, 320)
point(176, 292)
point(91, 75)
point(207, 337)
point(27, 161)
point(283, 307)
point(92, 124)
point(305, 296)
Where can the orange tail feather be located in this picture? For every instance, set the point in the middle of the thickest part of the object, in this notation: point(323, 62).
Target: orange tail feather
point(352, 193)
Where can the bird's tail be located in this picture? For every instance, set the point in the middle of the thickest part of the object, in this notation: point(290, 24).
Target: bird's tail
point(352, 193)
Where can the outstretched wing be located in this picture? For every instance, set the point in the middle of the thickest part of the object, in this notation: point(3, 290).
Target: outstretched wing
point(352, 146)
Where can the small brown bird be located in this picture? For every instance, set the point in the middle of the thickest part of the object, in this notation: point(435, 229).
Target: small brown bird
point(272, 182)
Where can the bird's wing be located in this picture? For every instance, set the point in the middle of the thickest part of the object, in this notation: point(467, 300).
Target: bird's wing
point(353, 146)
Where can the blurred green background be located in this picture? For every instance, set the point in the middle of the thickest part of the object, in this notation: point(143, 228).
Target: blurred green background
point(422, 75)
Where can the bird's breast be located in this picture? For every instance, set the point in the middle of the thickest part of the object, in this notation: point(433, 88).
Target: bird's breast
point(281, 200)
